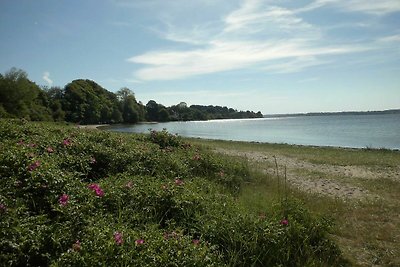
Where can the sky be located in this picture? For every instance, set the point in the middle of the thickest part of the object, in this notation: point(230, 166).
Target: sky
point(273, 56)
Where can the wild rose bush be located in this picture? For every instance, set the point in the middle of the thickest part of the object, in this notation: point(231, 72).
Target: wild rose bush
point(75, 197)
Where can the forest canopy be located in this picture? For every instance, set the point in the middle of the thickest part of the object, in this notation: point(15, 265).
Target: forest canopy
point(86, 102)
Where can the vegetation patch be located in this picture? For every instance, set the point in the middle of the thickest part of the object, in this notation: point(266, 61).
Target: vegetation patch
point(76, 197)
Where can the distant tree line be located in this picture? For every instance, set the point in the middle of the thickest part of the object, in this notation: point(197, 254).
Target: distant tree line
point(86, 102)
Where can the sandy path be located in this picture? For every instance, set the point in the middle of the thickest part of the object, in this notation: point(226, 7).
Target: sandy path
point(320, 182)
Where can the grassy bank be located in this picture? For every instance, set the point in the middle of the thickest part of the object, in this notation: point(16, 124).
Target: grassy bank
point(81, 197)
point(358, 188)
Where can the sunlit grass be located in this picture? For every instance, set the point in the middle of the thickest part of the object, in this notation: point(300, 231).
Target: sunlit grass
point(367, 230)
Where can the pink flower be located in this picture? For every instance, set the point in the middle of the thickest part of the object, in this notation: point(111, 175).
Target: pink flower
point(32, 145)
point(92, 160)
point(118, 238)
point(50, 149)
point(76, 246)
point(96, 188)
point(21, 142)
point(284, 222)
point(67, 142)
point(99, 192)
point(63, 199)
point(129, 185)
point(178, 181)
point(196, 242)
point(139, 242)
point(33, 166)
point(93, 186)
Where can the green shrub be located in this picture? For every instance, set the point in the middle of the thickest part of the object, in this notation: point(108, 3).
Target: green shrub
point(75, 197)
point(165, 139)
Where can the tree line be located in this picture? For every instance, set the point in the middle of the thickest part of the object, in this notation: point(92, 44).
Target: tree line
point(86, 102)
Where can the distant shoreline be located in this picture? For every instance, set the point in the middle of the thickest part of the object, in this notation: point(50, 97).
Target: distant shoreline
point(93, 126)
point(388, 111)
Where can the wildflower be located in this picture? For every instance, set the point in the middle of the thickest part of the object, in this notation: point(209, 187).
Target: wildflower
point(32, 145)
point(76, 246)
point(164, 187)
point(139, 242)
point(196, 242)
point(96, 188)
point(129, 184)
point(3, 208)
point(92, 160)
point(118, 238)
point(93, 186)
point(99, 192)
point(284, 222)
point(63, 199)
point(21, 142)
point(221, 173)
point(50, 149)
point(196, 157)
point(67, 142)
point(33, 166)
point(178, 181)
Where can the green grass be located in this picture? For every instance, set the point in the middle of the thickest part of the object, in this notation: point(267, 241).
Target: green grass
point(314, 154)
point(367, 230)
point(76, 197)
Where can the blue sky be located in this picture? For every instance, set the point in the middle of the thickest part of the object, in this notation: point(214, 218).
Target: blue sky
point(274, 56)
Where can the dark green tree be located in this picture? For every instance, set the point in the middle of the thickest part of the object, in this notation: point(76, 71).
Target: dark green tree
point(130, 108)
point(87, 102)
point(22, 98)
point(152, 110)
point(163, 115)
point(55, 96)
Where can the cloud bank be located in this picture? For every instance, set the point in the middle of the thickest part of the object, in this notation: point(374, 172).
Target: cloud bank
point(257, 35)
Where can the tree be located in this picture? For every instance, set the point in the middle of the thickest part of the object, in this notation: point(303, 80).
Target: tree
point(87, 102)
point(55, 96)
point(20, 97)
point(163, 115)
point(131, 110)
point(152, 110)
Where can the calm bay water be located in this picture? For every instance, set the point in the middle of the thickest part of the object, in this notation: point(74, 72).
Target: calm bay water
point(358, 131)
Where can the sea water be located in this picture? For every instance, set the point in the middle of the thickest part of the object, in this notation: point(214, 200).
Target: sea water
point(356, 131)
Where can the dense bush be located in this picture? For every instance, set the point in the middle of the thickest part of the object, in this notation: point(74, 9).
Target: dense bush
point(76, 197)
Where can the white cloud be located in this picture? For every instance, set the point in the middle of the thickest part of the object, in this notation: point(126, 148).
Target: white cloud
point(257, 35)
point(256, 16)
point(380, 7)
point(375, 7)
point(295, 65)
point(224, 56)
point(390, 39)
point(46, 78)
